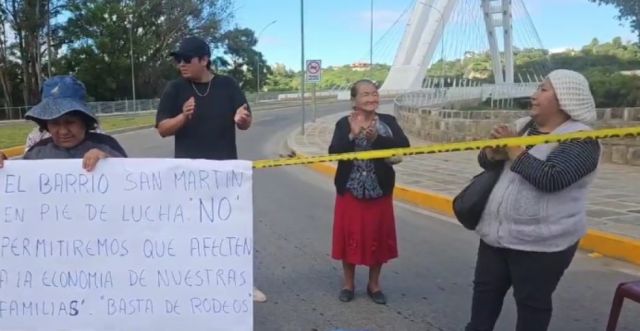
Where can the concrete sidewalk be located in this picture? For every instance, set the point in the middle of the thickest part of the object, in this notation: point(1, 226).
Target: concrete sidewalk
point(614, 201)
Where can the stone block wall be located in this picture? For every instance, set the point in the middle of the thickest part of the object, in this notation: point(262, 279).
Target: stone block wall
point(443, 125)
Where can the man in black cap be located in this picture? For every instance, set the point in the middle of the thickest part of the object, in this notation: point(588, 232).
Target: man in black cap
point(201, 109)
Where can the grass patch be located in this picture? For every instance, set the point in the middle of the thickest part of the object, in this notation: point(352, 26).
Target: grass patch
point(113, 123)
point(15, 134)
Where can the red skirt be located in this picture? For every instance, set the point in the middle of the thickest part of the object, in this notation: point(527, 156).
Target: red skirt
point(364, 231)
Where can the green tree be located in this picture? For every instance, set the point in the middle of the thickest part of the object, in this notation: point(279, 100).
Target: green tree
point(604, 65)
point(341, 77)
point(281, 79)
point(245, 61)
point(628, 10)
point(613, 89)
point(100, 34)
point(28, 20)
point(5, 82)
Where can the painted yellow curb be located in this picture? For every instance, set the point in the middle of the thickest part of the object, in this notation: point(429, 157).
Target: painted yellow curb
point(612, 245)
point(13, 151)
point(436, 202)
point(607, 244)
point(323, 168)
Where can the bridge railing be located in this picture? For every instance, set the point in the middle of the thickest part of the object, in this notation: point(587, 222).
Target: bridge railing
point(432, 97)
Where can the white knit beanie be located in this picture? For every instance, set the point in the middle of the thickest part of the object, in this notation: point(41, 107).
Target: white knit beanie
point(574, 95)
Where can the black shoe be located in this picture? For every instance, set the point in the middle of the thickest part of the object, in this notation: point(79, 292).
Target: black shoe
point(377, 297)
point(346, 295)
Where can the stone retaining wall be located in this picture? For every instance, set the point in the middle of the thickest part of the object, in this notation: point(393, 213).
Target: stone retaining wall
point(443, 125)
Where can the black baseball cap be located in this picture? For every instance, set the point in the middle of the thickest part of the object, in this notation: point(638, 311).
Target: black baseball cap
point(192, 47)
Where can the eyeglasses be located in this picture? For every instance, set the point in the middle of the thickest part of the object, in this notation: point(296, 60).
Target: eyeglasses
point(182, 58)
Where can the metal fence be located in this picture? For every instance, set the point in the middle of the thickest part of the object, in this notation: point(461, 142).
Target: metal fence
point(130, 106)
point(441, 96)
point(100, 108)
point(271, 96)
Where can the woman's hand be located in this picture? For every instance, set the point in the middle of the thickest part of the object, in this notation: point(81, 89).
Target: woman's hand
point(91, 158)
point(371, 133)
point(496, 154)
point(356, 122)
point(503, 131)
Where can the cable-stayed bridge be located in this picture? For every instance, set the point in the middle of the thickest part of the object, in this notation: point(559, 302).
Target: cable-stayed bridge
point(451, 50)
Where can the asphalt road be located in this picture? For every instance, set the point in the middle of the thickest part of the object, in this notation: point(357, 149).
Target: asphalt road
point(428, 287)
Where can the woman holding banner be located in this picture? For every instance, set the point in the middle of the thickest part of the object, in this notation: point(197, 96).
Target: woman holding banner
point(66, 126)
point(536, 213)
point(64, 114)
point(39, 133)
point(364, 226)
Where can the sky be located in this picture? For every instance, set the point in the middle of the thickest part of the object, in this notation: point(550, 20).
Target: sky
point(337, 31)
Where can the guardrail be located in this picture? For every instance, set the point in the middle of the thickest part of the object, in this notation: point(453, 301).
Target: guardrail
point(100, 108)
point(429, 97)
point(130, 106)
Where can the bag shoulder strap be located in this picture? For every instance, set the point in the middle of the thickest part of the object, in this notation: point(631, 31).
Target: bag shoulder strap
point(526, 127)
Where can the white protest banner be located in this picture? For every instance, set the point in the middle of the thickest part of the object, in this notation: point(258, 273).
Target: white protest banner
point(138, 244)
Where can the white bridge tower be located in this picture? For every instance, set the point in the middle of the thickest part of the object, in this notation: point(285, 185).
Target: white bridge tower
point(425, 30)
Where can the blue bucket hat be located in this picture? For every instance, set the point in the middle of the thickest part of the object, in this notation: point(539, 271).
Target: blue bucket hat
point(60, 95)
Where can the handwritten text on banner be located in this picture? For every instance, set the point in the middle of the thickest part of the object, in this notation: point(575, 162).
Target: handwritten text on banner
point(138, 244)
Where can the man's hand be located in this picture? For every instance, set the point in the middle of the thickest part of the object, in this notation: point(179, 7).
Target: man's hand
point(91, 158)
point(243, 117)
point(170, 126)
point(189, 107)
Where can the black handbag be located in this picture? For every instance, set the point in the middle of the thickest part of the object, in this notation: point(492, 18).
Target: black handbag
point(469, 204)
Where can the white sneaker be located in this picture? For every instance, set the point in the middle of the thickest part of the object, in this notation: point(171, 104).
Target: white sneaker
point(258, 296)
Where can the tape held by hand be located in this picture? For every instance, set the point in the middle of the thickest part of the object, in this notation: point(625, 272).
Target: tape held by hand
point(616, 133)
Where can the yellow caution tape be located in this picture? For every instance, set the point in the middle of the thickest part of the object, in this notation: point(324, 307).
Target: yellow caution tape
point(455, 147)
point(630, 132)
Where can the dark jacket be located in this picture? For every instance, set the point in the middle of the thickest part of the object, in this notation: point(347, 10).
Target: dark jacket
point(46, 149)
point(340, 143)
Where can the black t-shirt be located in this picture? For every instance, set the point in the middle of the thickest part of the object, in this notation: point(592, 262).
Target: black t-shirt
point(211, 132)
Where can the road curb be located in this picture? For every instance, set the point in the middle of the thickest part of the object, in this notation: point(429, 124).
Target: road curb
point(607, 244)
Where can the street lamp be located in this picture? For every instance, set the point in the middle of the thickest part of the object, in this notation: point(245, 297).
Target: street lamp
point(258, 61)
point(302, 66)
point(371, 39)
point(133, 76)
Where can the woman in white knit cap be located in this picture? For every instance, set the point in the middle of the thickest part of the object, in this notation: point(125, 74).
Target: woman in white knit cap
point(536, 213)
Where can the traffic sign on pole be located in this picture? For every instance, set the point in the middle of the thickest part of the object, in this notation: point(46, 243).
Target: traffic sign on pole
point(314, 71)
